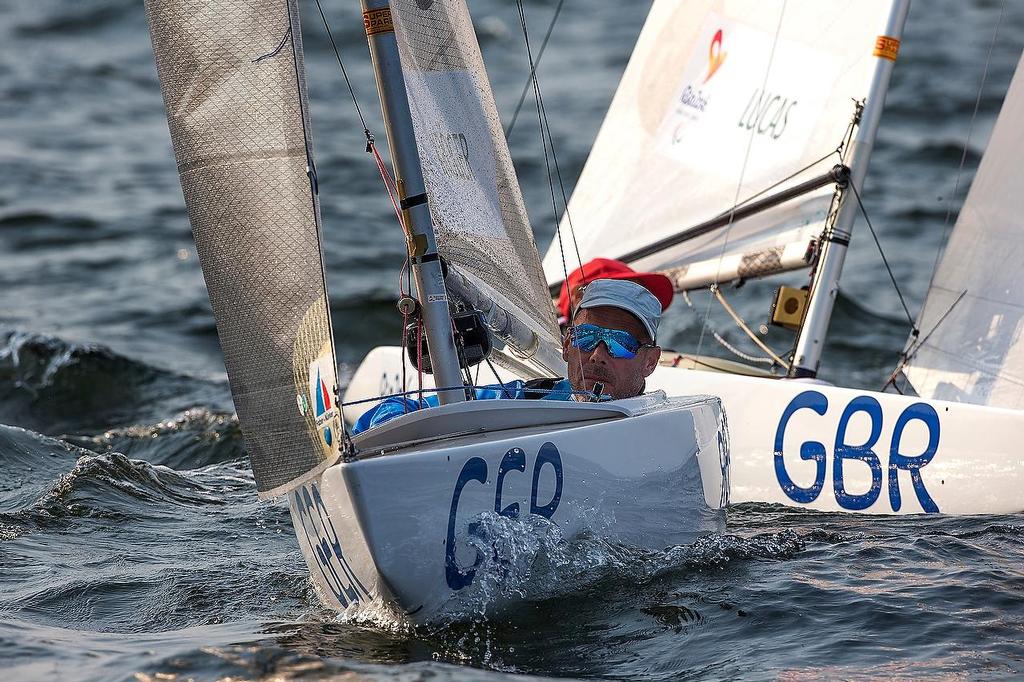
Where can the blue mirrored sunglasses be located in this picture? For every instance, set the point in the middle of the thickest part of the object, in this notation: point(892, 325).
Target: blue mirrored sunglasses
point(620, 343)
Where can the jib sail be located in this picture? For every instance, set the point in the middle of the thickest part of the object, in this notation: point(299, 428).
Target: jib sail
point(971, 344)
point(479, 215)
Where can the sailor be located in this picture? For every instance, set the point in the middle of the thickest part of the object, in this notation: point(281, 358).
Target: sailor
point(610, 350)
point(611, 344)
point(607, 268)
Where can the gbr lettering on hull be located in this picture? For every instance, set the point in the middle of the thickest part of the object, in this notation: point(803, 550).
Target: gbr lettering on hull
point(476, 469)
point(846, 454)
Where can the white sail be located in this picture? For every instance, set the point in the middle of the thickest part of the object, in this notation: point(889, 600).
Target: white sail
point(721, 100)
point(972, 324)
point(479, 215)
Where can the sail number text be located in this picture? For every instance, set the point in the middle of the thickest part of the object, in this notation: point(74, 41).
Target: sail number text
point(475, 469)
point(857, 454)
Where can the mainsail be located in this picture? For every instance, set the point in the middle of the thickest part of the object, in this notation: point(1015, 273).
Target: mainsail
point(722, 100)
point(479, 215)
point(233, 84)
point(972, 325)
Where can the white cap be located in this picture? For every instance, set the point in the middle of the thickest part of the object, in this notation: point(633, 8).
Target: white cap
point(625, 295)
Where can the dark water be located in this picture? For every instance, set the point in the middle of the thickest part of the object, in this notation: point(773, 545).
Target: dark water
point(131, 542)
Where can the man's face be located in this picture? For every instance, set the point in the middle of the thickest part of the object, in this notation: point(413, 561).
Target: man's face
point(622, 377)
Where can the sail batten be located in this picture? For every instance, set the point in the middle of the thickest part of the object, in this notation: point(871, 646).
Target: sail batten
point(972, 323)
point(723, 99)
point(233, 85)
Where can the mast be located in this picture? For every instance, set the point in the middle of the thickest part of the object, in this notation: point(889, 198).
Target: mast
point(423, 257)
point(825, 284)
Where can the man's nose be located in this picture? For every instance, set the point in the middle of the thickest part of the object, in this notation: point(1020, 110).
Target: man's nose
point(600, 353)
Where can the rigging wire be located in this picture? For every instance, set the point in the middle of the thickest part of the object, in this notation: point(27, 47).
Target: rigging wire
point(344, 72)
point(746, 330)
point(837, 151)
point(405, 274)
point(533, 69)
point(545, 124)
point(740, 354)
point(912, 350)
point(885, 261)
point(494, 371)
point(722, 341)
point(545, 137)
point(739, 183)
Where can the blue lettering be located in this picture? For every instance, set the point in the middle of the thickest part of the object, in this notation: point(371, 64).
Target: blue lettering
point(844, 451)
point(548, 455)
point(326, 548)
point(922, 412)
point(475, 469)
point(810, 451)
point(514, 459)
point(335, 545)
point(304, 503)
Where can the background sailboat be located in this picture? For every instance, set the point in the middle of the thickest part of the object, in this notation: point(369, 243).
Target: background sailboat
point(722, 101)
point(870, 439)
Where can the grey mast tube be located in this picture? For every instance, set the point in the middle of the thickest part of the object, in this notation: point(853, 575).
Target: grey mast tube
point(825, 286)
point(425, 262)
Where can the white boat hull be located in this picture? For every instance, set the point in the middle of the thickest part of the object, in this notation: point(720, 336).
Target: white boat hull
point(406, 527)
point(816, 446)
point(828, 448)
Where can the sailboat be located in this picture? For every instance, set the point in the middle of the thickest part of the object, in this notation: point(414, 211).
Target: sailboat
point(736, 147)
point(398, 516)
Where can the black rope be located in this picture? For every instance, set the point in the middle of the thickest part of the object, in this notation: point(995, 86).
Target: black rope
point(276, 50)
point(495, 373)
point(344, 72)
point(533, 70)
point(885, 261)
point(548, 141)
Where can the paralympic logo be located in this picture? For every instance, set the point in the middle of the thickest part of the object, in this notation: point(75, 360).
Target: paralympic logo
point(716, 55)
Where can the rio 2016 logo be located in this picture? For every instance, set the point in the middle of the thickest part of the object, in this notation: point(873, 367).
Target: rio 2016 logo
point(845, 454)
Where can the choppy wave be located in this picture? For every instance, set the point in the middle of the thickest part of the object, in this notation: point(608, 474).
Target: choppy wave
point(193, 439)
point(109, 486)
point(84, 19)
point(54, 386)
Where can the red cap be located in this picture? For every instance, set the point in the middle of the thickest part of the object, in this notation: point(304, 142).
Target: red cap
point(606, 268)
